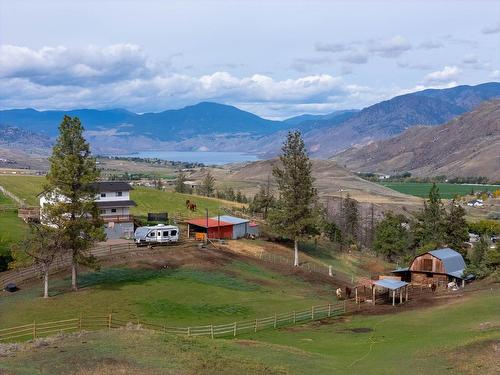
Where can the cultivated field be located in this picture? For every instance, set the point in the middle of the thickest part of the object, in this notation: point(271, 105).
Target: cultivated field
point(447, 191)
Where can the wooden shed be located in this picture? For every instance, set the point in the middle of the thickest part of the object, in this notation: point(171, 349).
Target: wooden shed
point(437, 266)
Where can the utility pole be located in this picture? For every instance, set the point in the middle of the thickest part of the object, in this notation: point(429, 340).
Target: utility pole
point(206, 238)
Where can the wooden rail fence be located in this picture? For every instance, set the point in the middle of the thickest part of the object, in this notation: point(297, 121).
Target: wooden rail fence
point(92, 323)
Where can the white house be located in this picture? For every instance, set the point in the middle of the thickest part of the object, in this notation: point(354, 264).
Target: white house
point(113, 201)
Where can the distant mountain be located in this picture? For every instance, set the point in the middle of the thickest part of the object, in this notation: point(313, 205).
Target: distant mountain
point(466, 146)
point(307, 119)
point(17, 138)
point(218, 127)
point(391, 117)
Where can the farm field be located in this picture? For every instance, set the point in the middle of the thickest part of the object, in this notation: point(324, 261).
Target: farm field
point(12, 228)
point(178, 286)
point(447, 191)
point(457, 337)
point(25, 187)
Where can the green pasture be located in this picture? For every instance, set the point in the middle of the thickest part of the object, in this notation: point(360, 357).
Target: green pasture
point(25, 187)
point(447, 191)
point(453, 339)
point(181, 297)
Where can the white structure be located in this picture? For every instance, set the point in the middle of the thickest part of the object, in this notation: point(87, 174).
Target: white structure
point(113, 201)
point(158, 234)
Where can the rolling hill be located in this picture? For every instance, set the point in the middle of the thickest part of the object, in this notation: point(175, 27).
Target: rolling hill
point(466, 146)
point(392, 117)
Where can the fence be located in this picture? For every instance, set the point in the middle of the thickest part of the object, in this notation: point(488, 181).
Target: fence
point(12, 196)
point(310, 266)
point(89, 323)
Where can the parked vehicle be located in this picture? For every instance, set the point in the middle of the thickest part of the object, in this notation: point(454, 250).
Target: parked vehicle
point(156, 235)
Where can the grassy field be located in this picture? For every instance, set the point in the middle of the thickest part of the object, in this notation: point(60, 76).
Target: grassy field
point(190, 295)
point(151, 200)
point(12, 228)
point(457, 338)
point(447, 191)
point(147, 199)
point(25, 187)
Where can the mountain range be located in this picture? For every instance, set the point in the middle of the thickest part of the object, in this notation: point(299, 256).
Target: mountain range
point(466, 146)
point(219, 127)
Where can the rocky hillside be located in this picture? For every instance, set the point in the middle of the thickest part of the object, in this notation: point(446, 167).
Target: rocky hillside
point(392, 117)
point(466, 146)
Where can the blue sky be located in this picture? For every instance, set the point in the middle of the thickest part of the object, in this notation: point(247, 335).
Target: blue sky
point(274, 58)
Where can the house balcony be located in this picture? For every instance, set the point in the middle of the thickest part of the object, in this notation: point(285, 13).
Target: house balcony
point(117, 218)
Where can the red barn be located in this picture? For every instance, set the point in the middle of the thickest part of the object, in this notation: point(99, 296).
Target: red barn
point(212, 227)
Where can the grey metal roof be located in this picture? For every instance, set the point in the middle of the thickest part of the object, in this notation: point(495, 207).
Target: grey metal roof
point(117, 203)
point(231, 219)
point(453, 261)
point(390, 284)
point(405, 269)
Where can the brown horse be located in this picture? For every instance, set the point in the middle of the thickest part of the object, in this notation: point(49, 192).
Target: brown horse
point(348, 292)
point(192, 206)
point(188, 202)
point(433, 287)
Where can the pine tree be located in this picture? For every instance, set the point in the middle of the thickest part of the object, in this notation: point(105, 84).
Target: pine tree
point(180, 186)
point(392, 238)
point(457, 230)
point(295, 215)
point(350, 217)
point(71, 192)
point(431, 227)
point(207, 186)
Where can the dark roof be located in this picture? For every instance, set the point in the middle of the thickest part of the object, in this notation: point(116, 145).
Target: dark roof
point(117, 203)
point(112, 186)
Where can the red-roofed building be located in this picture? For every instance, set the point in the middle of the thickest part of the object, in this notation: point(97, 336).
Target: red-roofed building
point(213, 227)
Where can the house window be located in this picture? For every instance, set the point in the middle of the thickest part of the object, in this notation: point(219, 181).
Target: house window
point(427, 265)
point(113, 210)
point(119, 193)
point(103, 195)
point(102, 212)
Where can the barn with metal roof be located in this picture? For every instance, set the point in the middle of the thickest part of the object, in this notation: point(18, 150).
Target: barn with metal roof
point(436, 266)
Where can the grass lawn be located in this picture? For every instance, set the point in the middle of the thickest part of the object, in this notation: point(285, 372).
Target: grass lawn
point(447, 191)
point(184, 296)
point(457, 338)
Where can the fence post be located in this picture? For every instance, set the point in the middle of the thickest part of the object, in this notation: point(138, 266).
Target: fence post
point(80, 323)
point(312, 313)
point(275, 319)
point(212, 330)
point(109, 321)
point(34, 330)
point(189, 331)
point(330, 273)
point(344, 306)
point(256, 323)
point(329, 310)
point(294, 317)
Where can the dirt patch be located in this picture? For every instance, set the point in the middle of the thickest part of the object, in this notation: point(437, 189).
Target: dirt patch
point(477, 358)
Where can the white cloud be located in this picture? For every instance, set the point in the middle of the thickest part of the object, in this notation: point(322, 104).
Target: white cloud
point(495, 74)
point(330, 47)
point(430, 44)
point(447, 74)
point(493, 29)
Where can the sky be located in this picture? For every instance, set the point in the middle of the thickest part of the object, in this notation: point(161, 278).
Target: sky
point(274, 58)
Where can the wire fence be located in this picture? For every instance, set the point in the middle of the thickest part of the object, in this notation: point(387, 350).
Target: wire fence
point(35, 329)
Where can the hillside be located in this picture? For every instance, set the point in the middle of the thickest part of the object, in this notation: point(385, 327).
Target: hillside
point(466, 146)
point(217, 127)
point(392, 117)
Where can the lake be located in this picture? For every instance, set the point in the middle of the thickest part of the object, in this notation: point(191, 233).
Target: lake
point(205, 157)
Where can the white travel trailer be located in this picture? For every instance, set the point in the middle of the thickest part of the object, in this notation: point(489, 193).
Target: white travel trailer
point(156, 235)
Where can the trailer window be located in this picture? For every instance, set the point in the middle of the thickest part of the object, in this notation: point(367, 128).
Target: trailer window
point(152, 234)
point(173, 232)
point(165, 233)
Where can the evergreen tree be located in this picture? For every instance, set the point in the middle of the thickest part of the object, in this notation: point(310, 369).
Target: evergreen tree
point(392, 238)
point(350, 218)
point(180, 186)
point(457, 231)
point(431, 227)
point(207, 186)
point(71, 192)
point(295, 215)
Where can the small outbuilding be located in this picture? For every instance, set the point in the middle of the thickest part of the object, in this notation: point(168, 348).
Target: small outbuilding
point(241, 227)
point(212, 228)
point(434, 267)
